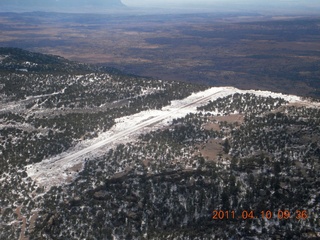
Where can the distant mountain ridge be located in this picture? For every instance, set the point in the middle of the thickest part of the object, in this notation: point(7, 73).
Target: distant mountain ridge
point(16, 60)
point(59, 5)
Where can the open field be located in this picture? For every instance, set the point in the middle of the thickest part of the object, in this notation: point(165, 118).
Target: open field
point(271, 53)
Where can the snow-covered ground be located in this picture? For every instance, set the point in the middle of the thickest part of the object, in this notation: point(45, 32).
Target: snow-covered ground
point(15, 106)
point(56, 170)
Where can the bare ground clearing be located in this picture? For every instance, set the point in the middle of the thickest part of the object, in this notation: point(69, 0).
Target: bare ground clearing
point(211, 149)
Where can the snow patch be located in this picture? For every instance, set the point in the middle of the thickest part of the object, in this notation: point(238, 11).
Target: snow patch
point(57, 170)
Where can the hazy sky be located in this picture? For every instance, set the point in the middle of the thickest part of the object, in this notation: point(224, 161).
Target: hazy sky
point(224, 3)
point(278, 6)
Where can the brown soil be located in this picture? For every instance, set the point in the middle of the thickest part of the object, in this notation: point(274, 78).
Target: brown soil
point(76, 168)
point(211, 149)
point(212, 126)
point(232, 118)
point(24, 223)
point(32, 221)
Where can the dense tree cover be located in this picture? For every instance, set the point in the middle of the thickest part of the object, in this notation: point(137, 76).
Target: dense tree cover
point(55, 110)
point(160, 186)
point(166, 189)
point(45, 111)
point(243, 103)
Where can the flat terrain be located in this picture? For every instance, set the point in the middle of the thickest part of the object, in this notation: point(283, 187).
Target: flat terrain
point(271, 53)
